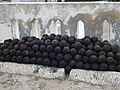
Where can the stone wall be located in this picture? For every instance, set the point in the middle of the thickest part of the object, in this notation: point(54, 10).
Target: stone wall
point(100, 19)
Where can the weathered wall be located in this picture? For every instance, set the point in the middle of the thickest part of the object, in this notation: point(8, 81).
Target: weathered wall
point(92, 14)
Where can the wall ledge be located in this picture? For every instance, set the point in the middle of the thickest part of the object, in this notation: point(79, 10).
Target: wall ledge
point(30, 69)
point(95, 77)
point(78, 75)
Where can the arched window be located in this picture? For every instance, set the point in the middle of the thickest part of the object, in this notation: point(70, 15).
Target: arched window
point(15, 29)
point(55, 27)
point(80, 29)
point(34, 31)
point(106, 30)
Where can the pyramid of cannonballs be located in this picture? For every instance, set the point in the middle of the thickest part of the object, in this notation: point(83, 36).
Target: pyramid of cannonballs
point(62, 51)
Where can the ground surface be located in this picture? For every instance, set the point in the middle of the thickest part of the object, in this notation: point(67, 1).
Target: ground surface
point(21, 82)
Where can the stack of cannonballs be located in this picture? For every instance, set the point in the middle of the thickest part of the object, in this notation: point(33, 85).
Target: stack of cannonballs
point(62, 51)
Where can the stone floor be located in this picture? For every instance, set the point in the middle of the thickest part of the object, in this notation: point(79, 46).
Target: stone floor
point(21, 82)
